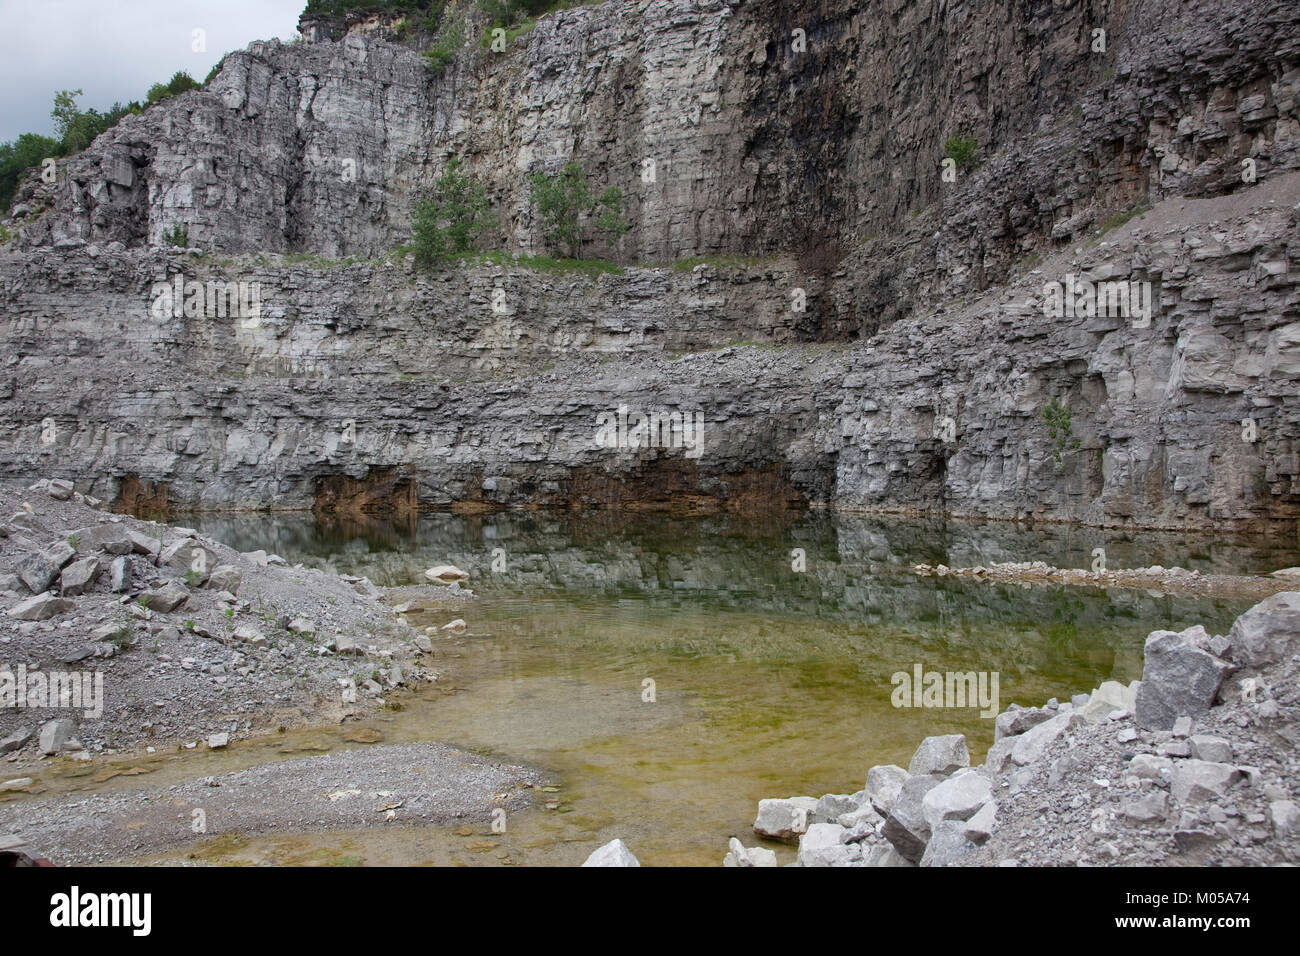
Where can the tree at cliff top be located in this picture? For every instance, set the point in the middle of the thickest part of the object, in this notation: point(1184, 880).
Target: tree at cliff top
point(181, 82)
point(504, 12)
point(19, 156)
point(77, 129)
point(336, 8)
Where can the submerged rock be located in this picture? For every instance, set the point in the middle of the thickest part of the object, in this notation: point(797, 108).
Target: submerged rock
point(1078, 784)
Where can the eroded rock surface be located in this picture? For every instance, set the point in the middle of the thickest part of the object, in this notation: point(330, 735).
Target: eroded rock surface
point(913, 381)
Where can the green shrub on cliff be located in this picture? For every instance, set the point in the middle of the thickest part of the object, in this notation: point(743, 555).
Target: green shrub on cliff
point(212, 73)
point(180, 82)
point(452, 218)
point(503, 12)
point(567, 207)
point(77, 129)
point(506, 12)
point(1059, 428)
point(963, 149)
point(592, 268)
point(337, 8)
point(450, 39)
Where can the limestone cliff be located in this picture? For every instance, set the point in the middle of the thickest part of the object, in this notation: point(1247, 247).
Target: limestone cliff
point(914, 380)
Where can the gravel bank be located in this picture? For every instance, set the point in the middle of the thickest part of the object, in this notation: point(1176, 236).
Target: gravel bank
point(390, 786)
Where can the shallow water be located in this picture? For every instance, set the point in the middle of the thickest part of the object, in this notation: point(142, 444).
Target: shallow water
point(768, 681)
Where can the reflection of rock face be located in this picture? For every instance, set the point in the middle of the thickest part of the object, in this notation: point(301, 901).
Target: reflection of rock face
point(825, 159)
point(856, 574)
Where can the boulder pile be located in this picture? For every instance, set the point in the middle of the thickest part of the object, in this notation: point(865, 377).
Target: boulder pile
point(193, 640)
point(1194, 764)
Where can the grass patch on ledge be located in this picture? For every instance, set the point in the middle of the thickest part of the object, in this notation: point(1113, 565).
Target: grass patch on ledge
point(674, 356)
point(746, 344)
point(317, 262)
point(587, 267)
point(513, 33)
point(1115, 220)
point(722, 262)
point(264, 260)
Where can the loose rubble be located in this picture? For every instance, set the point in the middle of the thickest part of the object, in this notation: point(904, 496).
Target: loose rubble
point(193, 639)
point(1195, 764)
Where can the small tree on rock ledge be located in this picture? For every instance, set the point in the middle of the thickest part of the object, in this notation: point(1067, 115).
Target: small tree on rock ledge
point(1059, 428)
point(452, 218)
point(566, 205)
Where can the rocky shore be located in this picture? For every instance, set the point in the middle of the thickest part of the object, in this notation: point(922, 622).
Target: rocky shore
point(191, 642)
point(1196, 764)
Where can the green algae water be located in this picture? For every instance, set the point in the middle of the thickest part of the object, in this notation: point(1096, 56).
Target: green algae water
point(672, 672)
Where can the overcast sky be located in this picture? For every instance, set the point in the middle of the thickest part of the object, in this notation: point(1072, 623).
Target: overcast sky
point(114, 50)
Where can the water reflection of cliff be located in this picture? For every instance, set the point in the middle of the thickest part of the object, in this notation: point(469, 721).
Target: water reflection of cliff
point(856, 567)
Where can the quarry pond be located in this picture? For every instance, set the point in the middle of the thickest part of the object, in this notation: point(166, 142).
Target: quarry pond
point(667, 673)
